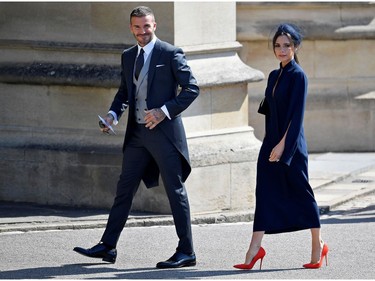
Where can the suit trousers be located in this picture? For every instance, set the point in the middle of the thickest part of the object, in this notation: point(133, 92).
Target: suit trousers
point(143, 146)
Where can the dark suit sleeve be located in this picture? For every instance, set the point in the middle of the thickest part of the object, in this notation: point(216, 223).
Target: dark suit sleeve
point(189, 89)
point(120, 101)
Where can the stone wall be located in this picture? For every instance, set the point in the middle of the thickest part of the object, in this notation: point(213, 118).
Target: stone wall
point(337, 54)
point(59, 69)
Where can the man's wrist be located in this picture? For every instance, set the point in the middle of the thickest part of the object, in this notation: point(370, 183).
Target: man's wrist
point(166, 112)
point(109, 115)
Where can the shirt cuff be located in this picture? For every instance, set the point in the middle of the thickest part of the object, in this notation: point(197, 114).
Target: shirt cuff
point(165, 110)
point(115, 120)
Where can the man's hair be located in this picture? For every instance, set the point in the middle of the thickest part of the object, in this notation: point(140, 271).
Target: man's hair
point(141, 11)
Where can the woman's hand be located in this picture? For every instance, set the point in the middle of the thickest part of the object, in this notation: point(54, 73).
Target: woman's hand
point(277, 151)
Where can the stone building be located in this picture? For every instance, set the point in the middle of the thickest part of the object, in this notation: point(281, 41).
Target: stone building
point(59, 69)
point(338, 55)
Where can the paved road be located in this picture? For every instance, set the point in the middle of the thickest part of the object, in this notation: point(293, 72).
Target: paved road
point(348, 230)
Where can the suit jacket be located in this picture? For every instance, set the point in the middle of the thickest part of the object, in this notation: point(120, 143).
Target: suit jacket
point(167, 71)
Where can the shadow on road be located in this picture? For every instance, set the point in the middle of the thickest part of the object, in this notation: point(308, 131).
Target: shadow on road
point(356, 215)
point(91, 271)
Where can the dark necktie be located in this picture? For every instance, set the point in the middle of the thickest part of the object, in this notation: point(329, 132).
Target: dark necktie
point(139, 64)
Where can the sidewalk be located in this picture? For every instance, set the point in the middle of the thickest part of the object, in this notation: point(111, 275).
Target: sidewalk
point(335, 177)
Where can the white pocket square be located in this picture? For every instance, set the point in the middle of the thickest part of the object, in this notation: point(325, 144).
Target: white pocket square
point(160, 65)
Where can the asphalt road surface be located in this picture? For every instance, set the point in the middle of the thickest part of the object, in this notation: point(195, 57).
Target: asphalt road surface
point(348, 230)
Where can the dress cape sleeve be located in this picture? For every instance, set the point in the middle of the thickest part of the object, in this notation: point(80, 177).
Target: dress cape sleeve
point(295, 116)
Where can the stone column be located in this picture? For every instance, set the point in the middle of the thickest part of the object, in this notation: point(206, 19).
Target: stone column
point(223, 147)
point(59, 69)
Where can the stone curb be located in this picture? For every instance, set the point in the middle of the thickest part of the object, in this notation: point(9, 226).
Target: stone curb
point(225, 217)
point(197, 219)
point(215, 218)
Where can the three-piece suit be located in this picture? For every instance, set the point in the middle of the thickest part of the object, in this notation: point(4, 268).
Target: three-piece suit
point(165, 80)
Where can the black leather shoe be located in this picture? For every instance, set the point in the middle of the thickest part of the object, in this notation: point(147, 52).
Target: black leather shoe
point(178, 260)
point(98, 251)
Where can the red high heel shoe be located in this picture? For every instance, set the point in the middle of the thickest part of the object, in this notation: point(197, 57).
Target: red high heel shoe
point(260, 255)
point(322, 256)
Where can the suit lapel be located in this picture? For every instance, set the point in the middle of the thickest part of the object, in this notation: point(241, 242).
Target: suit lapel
point(154, 59)
point(129, 67)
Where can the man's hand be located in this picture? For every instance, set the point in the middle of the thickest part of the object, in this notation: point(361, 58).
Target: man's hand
point(109, 119)
point(154, 117)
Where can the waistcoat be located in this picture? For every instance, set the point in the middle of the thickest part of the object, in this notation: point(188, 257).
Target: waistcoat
point(141, 91)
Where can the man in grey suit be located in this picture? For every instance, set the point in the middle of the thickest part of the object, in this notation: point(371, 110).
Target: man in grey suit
point(155, 140)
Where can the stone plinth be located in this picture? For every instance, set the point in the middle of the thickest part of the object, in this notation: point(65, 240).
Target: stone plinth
point(223, 148)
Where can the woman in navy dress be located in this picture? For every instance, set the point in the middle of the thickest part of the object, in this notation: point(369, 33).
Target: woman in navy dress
point(284, 198)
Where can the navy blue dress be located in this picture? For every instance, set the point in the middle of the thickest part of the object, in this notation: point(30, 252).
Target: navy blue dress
point(284, 198)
